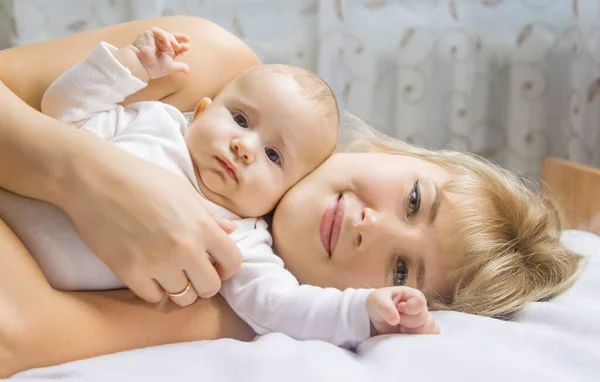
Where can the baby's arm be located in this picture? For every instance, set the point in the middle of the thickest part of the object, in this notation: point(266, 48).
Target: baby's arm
point(109, 75)
point(269, 298)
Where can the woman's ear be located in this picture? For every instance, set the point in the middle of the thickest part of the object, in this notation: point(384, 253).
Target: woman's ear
point(202, 105)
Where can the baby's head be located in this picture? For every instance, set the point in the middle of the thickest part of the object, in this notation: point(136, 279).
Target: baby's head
point(268, 128)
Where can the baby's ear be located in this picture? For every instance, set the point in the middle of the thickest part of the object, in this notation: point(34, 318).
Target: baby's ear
point(202, 105)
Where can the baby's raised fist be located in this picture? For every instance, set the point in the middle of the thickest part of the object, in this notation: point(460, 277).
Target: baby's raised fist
point(400, 310)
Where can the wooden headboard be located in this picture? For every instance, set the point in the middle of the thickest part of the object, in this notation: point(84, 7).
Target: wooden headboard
point(576, 188)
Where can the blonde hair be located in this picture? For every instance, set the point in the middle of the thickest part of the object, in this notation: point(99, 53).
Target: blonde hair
point(314, 87)
point(510, 241)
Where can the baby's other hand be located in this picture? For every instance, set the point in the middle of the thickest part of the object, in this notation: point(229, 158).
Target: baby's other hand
point(156, 50)
point(400, 310)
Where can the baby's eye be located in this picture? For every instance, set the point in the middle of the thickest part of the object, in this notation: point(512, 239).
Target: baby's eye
point(414, 199)
point(273, 155)
point(400, 273)
point(241, 120)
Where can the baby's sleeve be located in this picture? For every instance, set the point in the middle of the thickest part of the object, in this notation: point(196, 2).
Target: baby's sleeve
point(97, 84)
point(269, 298)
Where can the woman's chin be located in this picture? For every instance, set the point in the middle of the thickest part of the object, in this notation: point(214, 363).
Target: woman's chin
point(289, 226)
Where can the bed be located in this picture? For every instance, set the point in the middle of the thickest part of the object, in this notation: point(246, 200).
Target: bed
point(549, 341)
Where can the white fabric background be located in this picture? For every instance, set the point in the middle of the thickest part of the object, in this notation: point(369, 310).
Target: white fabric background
point(513, 80)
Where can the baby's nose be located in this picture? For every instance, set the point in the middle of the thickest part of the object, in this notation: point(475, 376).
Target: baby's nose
point(245, 149)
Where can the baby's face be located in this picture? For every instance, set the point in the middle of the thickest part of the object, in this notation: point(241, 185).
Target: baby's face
point(257, 139)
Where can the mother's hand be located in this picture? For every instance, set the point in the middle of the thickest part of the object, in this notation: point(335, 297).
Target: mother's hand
point(151, 227)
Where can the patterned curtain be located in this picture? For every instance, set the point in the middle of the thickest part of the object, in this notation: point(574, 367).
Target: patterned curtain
point(512, 80)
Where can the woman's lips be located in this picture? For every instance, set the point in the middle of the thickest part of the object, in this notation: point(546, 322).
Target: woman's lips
point(331, 224)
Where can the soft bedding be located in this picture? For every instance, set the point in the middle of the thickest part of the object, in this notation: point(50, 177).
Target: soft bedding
point(551, 341)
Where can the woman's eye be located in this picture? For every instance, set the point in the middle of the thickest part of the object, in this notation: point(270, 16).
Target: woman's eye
point(273, 155)
point(414, 199)
point(241, 120)
point(401, 273)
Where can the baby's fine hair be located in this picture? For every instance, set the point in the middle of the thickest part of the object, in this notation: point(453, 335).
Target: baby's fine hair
point(510, 238)
point(314, 87)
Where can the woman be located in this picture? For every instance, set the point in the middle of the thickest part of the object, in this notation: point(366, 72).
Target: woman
point(466, 233)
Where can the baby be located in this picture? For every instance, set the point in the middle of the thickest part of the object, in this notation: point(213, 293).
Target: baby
point(265, 130)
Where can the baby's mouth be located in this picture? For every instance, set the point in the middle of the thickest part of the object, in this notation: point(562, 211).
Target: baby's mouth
point(228, 167)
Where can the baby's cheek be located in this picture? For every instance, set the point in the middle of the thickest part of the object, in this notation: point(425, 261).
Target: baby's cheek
point(264, 194)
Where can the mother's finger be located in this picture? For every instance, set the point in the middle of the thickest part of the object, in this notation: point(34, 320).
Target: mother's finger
point(203, 275)
point(176, 284)
point(140, 284)
point(187, 298)
point(224, 252)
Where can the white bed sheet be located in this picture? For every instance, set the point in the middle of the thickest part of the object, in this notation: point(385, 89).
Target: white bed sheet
point(552, 341)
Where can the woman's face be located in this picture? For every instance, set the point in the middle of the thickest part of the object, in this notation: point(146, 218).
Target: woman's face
point(369, 220)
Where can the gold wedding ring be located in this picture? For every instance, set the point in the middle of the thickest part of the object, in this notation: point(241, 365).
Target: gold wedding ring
point(182, 293)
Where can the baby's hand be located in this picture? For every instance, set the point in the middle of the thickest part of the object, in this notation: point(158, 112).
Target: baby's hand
point(400, 310)
point(156, 50)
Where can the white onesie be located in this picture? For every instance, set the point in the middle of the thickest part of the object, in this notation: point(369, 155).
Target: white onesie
point(262, 292)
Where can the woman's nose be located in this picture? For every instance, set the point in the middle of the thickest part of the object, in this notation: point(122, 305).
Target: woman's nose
point(368, 229)
point(244, 148)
